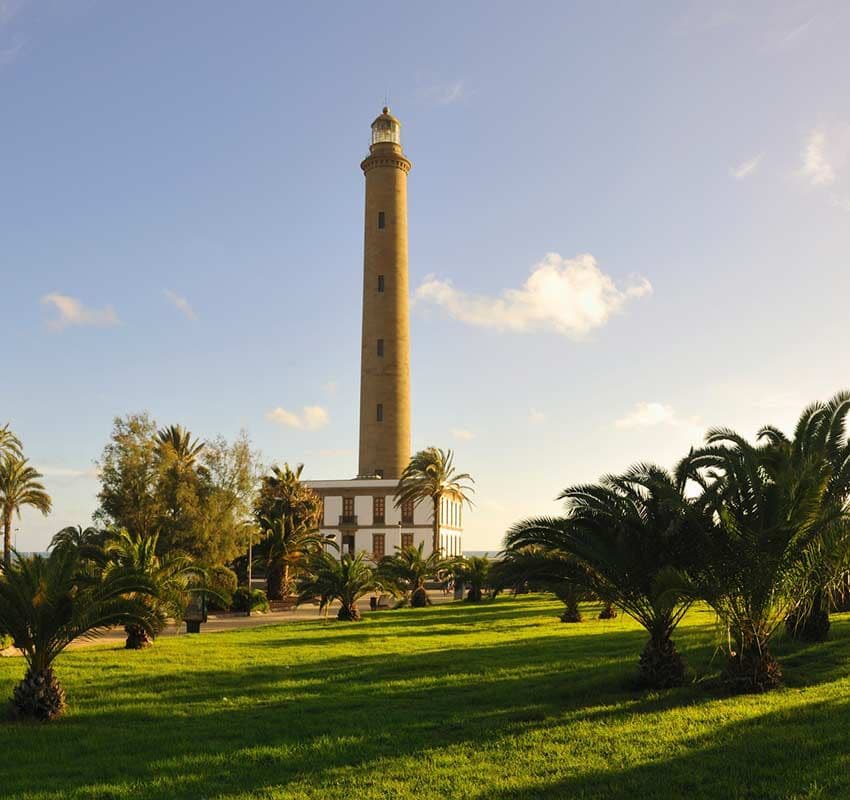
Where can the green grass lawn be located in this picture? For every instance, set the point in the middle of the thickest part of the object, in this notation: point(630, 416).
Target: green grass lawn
point(500, 701)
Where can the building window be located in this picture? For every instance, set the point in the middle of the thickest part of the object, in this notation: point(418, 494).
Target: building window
point(407, 512)
point(379, 413)
point(348, 509)
point(378, 509)
point(379, 473)
point(348, 543)
point(406, 540)
point(380, 283)
point(379, 545)
point(382, 221)
point(380, 348)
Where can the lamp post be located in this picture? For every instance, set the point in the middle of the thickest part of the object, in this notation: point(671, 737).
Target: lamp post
point(250, 568)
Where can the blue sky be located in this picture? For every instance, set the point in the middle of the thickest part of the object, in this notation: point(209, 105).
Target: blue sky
point(628, 222)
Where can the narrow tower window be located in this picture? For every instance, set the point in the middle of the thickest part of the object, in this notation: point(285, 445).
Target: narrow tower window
point(382, 221)
point(380, 412)
point(380, 283)
point(380, 348)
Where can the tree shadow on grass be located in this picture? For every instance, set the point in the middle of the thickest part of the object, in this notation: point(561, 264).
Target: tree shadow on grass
point(323, 715)
point(224, 717)
point(782, 754)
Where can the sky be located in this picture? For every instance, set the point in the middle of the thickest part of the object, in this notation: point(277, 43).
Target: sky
point(628, 223)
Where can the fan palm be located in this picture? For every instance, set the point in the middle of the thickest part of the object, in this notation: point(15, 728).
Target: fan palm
point(19, 486)
point(76, 536)
point(774, 523)
point(431, 475)
point(48, 602)
point(633, 534)
point(284, 549)
point(473, 571)
point(820, 434)
point(545, 570)
point(406, 571)
point(345, 579)
point(169, 579)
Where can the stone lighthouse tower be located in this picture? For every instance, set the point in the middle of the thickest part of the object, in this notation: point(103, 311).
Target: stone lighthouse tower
point(385, 349)
point(360, 513)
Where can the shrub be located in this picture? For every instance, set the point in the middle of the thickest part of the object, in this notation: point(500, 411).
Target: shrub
point(222, 583)
point(245, 599)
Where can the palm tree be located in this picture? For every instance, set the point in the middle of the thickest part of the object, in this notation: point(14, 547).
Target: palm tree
point(430, 475)
point(775, 522)
point(75, 536)
point(406, 571)
point(176, 442)
point(284, 495)
point(284, 550)
point(169, 580)
point(473, 571)
point(545, 570)
point(345, 579)
point(48, 602)
point(820, 434)
point(10, 445)
point(19, 486)
point(633, 534)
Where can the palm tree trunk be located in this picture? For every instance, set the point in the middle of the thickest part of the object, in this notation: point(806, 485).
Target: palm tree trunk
point(751, 668)
point(660, 666)
point(571, 612)
point(7, 538)
point(38, 696)
point(284, 589)
point(436, 539)
point(274, 581)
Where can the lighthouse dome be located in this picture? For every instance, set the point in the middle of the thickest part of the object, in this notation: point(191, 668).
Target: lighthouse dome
point(386, 128)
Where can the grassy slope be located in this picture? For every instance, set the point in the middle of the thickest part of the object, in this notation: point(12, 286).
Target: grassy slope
point(500, 702)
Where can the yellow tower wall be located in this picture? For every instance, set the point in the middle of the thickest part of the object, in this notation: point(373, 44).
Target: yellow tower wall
point(385, 380)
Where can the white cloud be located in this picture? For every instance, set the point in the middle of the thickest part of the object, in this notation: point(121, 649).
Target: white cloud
point(181, 304)
point(645, 415)
point(841, 202)
point(571, 296)
point(9, 10)
point(311, 418)
point(796, 33)
point(746, 168)
point(72, 312)
point(462, 433)
point(9, 53)
point(536, 416)
point(817, 167)
point(444, 92)
point(66, 472)
point(650, 415)
point(451, 93)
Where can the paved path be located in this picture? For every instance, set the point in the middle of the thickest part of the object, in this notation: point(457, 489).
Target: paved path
point(231, 622)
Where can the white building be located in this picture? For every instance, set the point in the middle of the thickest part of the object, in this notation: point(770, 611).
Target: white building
point(361, 515)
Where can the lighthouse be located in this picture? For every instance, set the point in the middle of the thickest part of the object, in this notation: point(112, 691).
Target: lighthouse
point(385, 346)
point(360, 513)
